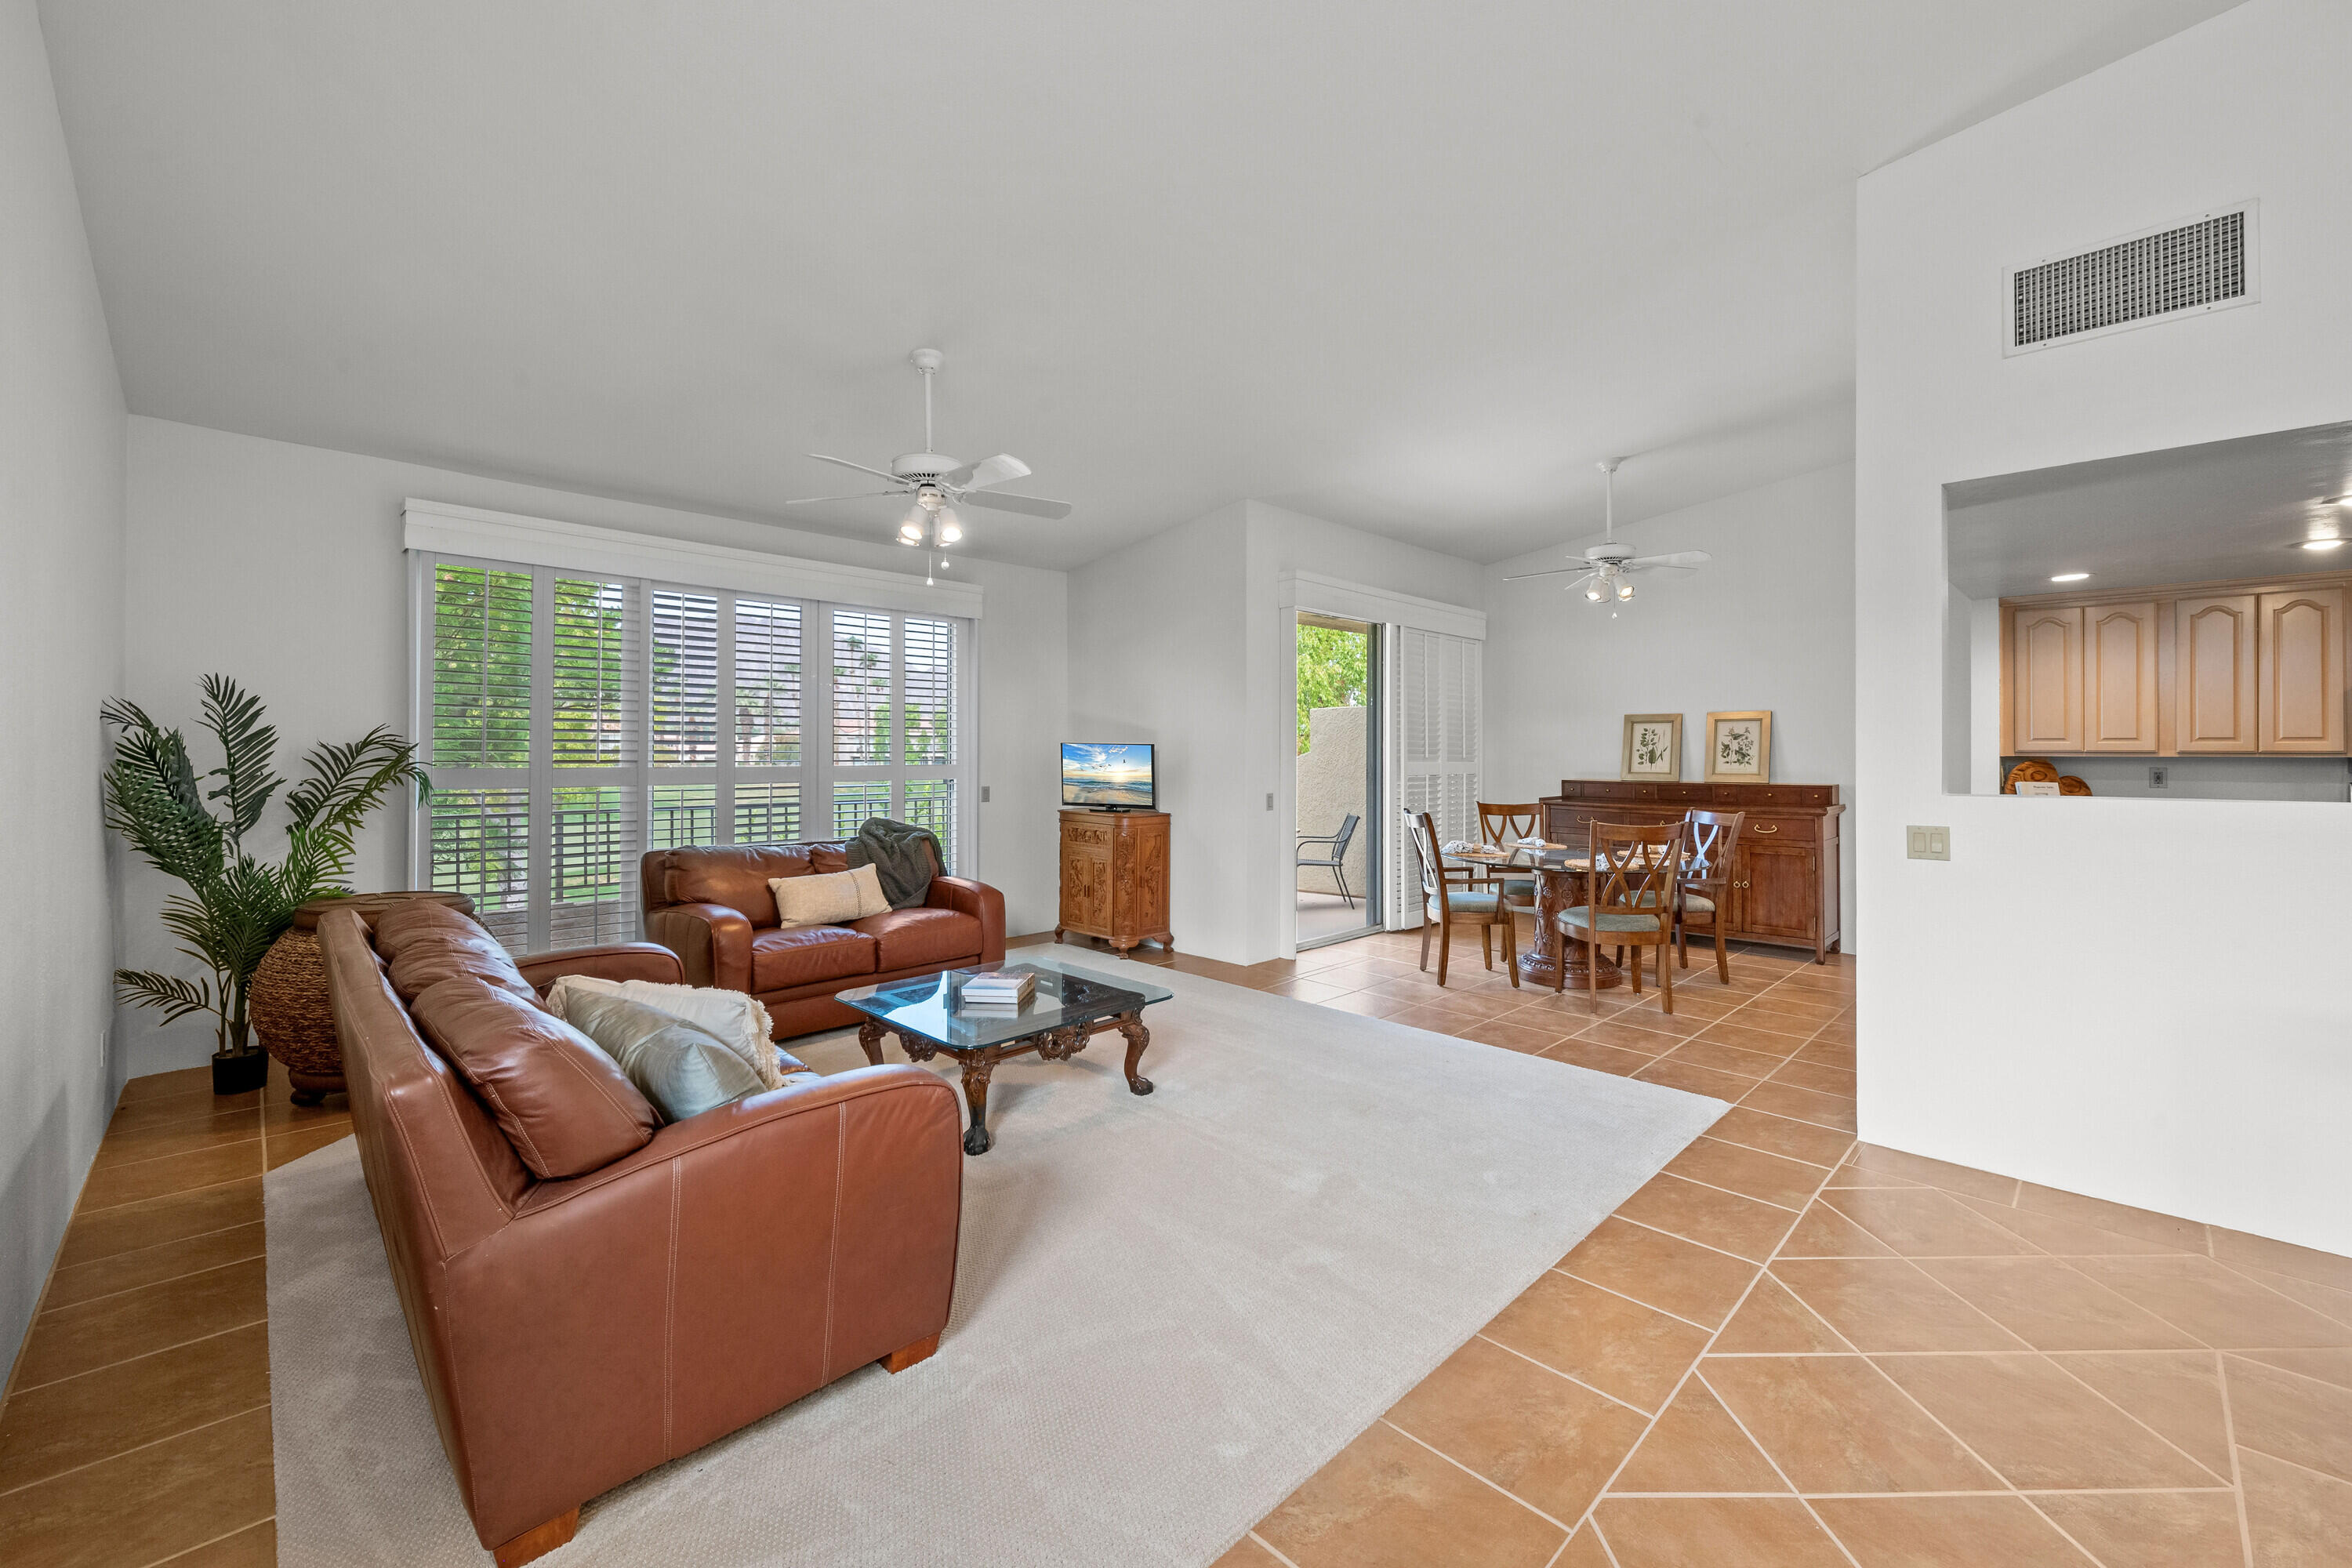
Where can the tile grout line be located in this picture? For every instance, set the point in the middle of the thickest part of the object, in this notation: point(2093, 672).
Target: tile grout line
point(1733, 1192)
point(1663, 1312)
point(125, 1361)
point(1571, 1377)
point(140, 1447)
point(150, 1284)
point(2237, 1470)
point(1694, 1241)
point(199, 1546)
point(1672, 1394)
point(1802, 1500)
point(1569, 1530)
point(1271, 1549)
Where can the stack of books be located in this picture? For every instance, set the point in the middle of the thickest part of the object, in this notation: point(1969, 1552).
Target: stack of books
point(1006, 991)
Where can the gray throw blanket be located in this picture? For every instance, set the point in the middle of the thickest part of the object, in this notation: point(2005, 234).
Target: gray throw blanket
point(905, 859)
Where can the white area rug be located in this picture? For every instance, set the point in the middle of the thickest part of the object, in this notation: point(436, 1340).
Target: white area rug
point(1170, 1310)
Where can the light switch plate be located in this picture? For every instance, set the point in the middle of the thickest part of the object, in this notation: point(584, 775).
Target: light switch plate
point(2158, 778)
point(1928, 843)
point(983, 794)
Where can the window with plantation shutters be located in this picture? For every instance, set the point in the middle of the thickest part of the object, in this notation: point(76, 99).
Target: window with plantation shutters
point(574, 721)
point(1433, 695)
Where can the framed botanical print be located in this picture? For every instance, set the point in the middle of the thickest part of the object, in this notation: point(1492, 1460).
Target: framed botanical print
point(1654, 747)
point(1739, 748)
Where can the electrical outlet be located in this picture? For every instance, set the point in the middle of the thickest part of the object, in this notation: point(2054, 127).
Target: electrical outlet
point(983, 794)
point(1928, 843)
point(2157, 778)
point(1269, 800)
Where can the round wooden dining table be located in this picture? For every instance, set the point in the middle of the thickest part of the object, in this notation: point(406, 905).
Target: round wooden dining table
point(1561, 877)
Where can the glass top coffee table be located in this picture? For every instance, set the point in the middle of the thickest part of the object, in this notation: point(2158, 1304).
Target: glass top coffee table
point(929, 1014)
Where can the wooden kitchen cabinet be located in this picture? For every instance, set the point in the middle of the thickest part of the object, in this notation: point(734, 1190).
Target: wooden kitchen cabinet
point(2046, 666)
point(2299, 670)
point(2119, 705)
point(2256, 667)
point(2214, 674)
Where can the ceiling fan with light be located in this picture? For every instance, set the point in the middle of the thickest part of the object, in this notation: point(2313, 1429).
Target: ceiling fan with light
point(937, 484)
point(1604, 572)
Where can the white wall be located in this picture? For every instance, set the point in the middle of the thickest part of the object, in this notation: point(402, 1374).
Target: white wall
point(2070, 998)
point(282, 566)
point(1768, 623)
point(61, 651)
point(1182, 641)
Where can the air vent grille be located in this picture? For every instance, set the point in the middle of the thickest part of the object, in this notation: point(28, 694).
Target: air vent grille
point(2200, 266)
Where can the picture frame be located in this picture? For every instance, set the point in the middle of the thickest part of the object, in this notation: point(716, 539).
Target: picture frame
point(1653, 748)
point(1740, 747)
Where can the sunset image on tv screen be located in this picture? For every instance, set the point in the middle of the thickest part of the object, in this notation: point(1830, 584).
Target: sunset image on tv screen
point(1106, 775)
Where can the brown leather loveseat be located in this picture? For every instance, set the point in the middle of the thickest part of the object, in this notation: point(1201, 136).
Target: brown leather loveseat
point(590, 1293)
point(712, 907)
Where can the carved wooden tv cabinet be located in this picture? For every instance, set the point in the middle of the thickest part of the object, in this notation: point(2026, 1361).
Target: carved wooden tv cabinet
point(1115, 878)
point(1784, 877)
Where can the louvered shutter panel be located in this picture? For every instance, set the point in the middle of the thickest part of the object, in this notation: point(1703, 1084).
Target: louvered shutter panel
point(595, 803)
point(1436, 717)
point(768, 715)
point(478, 823)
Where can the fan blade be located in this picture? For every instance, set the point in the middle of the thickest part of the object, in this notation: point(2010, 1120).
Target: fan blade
point(1531, 576)
point(862, 495)
point(1682, 558)
point(861, 467)
point(1029, 505)
point(1000, 470)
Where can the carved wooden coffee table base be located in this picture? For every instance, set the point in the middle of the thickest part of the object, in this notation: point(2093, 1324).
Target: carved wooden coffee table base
point(978, 1064)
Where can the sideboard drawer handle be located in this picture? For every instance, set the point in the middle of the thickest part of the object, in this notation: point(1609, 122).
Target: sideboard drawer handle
point(1767, 827)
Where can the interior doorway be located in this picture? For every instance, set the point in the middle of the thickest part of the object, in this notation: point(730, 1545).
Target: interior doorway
point(1338, 780)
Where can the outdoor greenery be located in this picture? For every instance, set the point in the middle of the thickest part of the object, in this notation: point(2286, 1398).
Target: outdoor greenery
point(236, 904)
point(1330, 672)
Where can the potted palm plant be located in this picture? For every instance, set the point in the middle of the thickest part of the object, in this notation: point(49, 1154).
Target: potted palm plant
point(237, 903)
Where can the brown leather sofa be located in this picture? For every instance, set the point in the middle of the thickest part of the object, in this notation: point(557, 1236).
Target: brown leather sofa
point(712, 907)
point(575, 1332)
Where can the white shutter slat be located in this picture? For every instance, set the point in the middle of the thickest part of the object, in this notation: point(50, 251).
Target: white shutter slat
point(767, 683)
point(482, 667)
point(861, 689)
point(929, 706)
point(685, 679)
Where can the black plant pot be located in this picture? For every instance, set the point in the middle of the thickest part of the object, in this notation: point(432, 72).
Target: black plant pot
point(240, 1072)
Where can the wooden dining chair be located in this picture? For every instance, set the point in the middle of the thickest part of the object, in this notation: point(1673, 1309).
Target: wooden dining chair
point(1637, 871)
point(1448, 901)
point(1706, 885)
point(1503, 826)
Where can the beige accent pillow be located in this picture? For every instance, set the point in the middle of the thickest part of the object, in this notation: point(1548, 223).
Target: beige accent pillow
point(741, 1021)
point(829, 897)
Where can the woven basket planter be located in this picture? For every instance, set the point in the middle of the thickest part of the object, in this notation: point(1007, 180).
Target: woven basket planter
point(287, 1002)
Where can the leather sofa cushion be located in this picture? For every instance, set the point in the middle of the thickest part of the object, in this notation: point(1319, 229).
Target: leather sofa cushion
point(910, 938)
point(565, 1106)
point(403, 924)
point(428, 958)
point(802, 955)
point(737, 875)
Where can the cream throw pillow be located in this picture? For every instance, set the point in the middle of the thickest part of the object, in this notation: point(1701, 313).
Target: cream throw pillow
point(740, 1021)
point(829, 897)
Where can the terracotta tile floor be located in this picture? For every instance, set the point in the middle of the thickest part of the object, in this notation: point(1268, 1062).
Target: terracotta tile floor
point(136, 1428)
point(1788, 1348)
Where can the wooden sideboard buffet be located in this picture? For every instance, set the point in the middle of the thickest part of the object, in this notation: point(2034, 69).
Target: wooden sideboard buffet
point(1115, 877)
point(1784, 878)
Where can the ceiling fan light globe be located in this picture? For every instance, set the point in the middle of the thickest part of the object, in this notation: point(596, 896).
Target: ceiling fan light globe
point(1624, 587)
point(951, 527)
point(1595, 593)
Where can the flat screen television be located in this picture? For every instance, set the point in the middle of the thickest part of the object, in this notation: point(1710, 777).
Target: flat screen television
point(1117, 775)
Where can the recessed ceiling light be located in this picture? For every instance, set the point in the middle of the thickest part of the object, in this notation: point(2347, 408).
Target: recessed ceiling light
point(2322, 544)
point(2070, 577)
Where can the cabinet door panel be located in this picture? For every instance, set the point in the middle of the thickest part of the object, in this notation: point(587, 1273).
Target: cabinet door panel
point(2119, 677)
point(1779, 890)
point(2213, 672)
point(1086, 888)
point(2046, 664)
point(2299, 655)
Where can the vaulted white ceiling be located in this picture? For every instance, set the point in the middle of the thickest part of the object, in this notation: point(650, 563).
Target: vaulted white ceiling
point(1408, 267)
